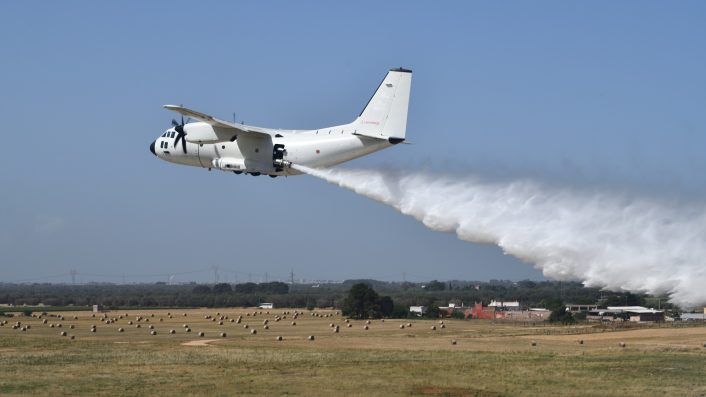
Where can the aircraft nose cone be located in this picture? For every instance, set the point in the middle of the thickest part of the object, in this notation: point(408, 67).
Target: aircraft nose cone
point(152, 148)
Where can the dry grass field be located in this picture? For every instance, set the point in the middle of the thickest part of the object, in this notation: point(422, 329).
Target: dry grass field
point(464, 358)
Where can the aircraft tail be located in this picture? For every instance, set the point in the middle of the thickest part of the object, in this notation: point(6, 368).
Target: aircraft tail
point(385, 115)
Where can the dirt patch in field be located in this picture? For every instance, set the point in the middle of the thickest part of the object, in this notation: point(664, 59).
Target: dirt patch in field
point(199, 342)
point(454, 392)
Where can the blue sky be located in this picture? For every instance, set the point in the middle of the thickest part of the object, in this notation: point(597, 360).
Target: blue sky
point(603, 94)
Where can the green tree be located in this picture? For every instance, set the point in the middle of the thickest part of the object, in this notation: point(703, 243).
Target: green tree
point(559, 314)
point(361, 302)
point(387, 306)
point(201, 289)
point(222, 288)
point(435, 285)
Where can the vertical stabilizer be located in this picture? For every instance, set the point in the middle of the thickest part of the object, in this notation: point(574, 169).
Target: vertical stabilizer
point(385, 115)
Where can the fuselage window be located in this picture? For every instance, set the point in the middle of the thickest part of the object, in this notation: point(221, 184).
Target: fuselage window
point(173, 134)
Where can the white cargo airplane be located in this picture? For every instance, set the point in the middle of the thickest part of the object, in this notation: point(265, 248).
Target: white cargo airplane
point(214, 143)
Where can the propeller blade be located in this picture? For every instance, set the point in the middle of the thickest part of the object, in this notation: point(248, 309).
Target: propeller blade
point(174, 123)
point(181, 136)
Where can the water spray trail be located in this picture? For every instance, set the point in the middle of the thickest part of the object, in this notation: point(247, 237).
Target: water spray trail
point(603, 239)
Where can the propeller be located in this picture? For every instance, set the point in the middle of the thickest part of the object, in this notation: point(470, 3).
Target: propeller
point(181, 134)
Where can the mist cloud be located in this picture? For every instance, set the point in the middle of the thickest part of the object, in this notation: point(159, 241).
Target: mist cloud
point(604, 239)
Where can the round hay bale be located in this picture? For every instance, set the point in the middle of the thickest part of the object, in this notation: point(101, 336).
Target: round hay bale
point(223, 334)
point(161, 319)
point(382, 320)
point(71, 326)
point(401, 326)
point(453, 341)
point(120, 330)
point(201, 334)
point(147, 320)
point(365, 327)
point(581, 342)
point(23, 329)
point(621, 344)
point(533, 343)
point(28, 326)
point(238, 321)
point(253, 331)
point(218, 313)
point(73, 337)
point(311, 337)
point(266, 326)
point(350, 325)
point(220, 323)
point(264, 322)
point(232, 320)
point(152, 315)
point(331, 325)
point(348, 321)
point(433, 327)
point(93, 330)
point(188, 330)
point(51, 325)
point(153, 332)
point(169, 313)
point(185, 326)
point(335, 330)
point(129, 323)
point(171, 331)
point(138, 326)
point(184, 314)
point(367, 322)
point(44, 321)
point(443, 326)
point(151, 326)
point(246, 326)
point(75, 317)
point(409, 324)
point(279, 338)
point(294, 323)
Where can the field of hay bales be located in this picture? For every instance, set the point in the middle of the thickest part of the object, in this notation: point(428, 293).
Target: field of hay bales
point(215, 352)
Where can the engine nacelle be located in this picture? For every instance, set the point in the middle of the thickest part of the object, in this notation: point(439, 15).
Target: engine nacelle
point(229, 164)
point(206, 133)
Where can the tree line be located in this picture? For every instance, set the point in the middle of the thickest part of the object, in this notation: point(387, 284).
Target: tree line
point(403, 294)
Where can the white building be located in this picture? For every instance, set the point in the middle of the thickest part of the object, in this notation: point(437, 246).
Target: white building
point(505, 306)
point(418, 310)
point(266, 305)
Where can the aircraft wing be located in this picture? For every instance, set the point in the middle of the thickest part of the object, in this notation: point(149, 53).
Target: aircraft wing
point(239, 128)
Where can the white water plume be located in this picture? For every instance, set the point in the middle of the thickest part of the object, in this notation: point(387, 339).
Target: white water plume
point(600, 238)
